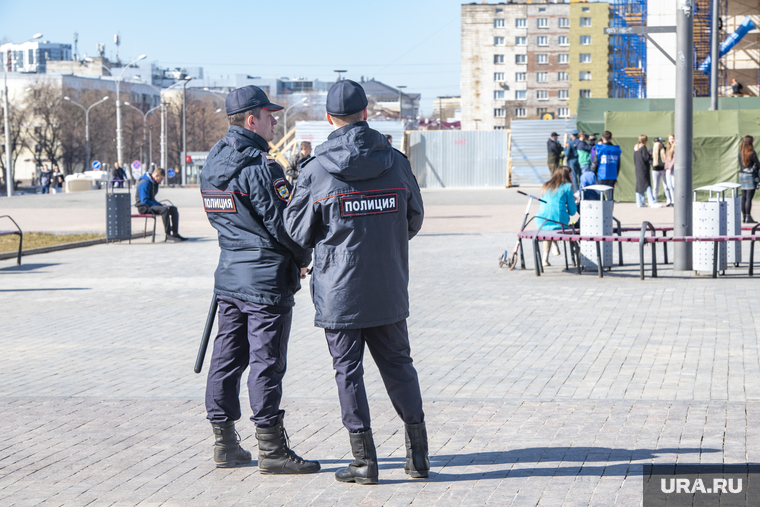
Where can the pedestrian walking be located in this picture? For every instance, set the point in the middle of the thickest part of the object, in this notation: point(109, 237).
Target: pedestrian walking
point(749, 177)
point(658, 172)
point(118, 175)
point(670, 164)
point(642, 162)
point(244, 193)
point(571, 157)
point(559, 206)
point(46, 177)
point(554, 152)
point(358, 204)
point(57, 180)
point(606, 162)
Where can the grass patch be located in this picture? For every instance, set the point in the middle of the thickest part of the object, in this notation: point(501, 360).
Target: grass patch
point(39, 240)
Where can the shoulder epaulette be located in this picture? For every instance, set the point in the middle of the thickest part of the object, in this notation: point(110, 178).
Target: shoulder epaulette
point(303, 164)
point(400, 152)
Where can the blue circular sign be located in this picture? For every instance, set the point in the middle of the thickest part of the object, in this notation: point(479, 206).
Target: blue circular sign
point(96, 165)
point(136, 165)
point(171, 173)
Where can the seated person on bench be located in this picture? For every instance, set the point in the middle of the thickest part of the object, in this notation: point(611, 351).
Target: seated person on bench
point(145, 199)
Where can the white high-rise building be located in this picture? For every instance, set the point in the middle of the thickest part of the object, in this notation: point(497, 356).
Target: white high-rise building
point(32, 56)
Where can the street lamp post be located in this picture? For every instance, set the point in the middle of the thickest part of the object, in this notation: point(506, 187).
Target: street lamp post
point(340, 72)
point(184, 130)
point(119, 141)
point(7, 124)
point(399, 101)
point(150, 146)
point(145, 121)
point(86, 125)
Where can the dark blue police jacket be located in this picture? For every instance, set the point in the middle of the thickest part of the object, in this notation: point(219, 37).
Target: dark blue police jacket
point(358, 204)
point(244, 194)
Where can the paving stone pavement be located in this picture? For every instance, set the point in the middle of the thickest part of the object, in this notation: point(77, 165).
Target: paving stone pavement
point(538, 391)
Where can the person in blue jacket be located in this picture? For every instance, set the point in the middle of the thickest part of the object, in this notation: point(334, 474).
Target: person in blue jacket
point(606, 162)
point(559, 206)
point(244, 193)
point(145, 199)
point(358, 204)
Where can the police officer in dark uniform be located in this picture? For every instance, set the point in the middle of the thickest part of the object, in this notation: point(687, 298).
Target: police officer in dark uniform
point(244, 194)
point(358, 204)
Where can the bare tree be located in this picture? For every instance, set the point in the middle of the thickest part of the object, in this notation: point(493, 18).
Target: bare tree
point(17, 118)
point(48, 119)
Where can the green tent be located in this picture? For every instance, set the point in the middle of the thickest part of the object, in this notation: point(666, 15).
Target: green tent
point(590, 112)
point(717, 135)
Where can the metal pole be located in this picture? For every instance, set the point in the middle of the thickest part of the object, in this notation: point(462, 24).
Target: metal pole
point(150, 146)
point(163, 134)
point(8, 157)
point(684, 122)
point(184, 133)
point(714, 57)
point(87, 136)
point(142, 148)
point(118, 125)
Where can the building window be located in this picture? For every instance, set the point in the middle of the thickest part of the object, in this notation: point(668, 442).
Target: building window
point(500, 112)
point(585, 21)
point(585, 57)
point(521, 59)
point(520, 95)
point(498, 127)
point(586, 94)
point(499, 10)
point(498, 76)
point(564, 40)
point(542, 77)
point(520, 112)
point(542, 22)
point(563, 76)
point(521, 41)
point(543, 40)
point(563, 112)
point(564, 22)
point(585, 76)
point(37, 111)
point(498, 23)
point(563, 58)
point(498, 58)
point(498, 95)
point(585, 9)
point(542, 94)
point(563, 94)
point(541, 110)
point(542, 9)
point(520, 76)
point(498, 41)
point(521, 23)
point(542, 59)
point(585, 40)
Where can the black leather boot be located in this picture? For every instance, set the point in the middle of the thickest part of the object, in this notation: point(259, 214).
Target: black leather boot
point(275, 454)
point(363, 470)
point(227, 450)
point(417, 463)
point(744, 218)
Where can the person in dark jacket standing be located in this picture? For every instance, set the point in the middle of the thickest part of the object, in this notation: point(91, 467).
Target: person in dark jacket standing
point(749, 172)
point(296, 160)
point(260, 269)
point(145, 200)
point(571, 157)
point(642, 161)
point(358, 204)
point(554, 152)
point(46, 177)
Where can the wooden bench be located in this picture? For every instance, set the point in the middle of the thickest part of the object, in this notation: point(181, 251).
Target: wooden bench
point(17, 232)
point(573, 237)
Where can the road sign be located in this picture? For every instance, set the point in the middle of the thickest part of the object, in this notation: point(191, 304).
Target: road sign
point(171, 173)
point(136, 165)
point(96, 165)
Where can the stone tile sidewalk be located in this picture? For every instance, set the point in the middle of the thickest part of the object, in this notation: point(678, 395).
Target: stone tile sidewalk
point(538, 391)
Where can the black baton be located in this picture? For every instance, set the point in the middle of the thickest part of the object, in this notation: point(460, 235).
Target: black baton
point(206, 334)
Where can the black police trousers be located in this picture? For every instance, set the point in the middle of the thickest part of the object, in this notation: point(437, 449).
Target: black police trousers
point(249, 334)
point(389, 346)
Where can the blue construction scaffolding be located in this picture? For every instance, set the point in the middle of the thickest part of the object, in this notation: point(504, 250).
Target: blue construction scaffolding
point(628, 53)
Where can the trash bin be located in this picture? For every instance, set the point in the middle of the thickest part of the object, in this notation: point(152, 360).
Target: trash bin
point(733, 222)
point(118, 213)
point(596, 220)
point(709, 221)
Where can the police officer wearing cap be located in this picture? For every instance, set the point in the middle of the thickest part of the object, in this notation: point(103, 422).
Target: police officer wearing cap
point(244, 194)
point(358, 204)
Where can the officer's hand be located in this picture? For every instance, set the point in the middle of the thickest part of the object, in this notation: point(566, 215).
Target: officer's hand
point(303, 272)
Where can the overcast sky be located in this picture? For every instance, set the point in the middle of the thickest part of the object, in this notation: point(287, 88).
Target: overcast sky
point(399, 42)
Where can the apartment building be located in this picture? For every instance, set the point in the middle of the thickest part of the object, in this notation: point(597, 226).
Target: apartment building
point(589, 52)
point(32, 56)
point(515, 63)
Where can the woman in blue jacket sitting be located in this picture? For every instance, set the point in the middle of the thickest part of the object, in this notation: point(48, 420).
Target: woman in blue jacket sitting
point(559, 205)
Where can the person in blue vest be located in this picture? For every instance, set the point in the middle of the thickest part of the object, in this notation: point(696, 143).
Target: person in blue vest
point(606, 162)
point(571, 157)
